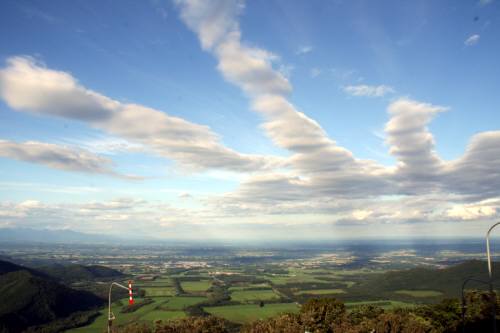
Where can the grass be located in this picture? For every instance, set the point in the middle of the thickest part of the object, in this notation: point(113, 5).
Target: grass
point(250, 312)
point(321, 292)
point(419, 293)
point(196, 286)
point(181, 302)
point(253, 295)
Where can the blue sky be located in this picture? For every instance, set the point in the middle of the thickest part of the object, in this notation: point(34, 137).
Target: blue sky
point(182, 119)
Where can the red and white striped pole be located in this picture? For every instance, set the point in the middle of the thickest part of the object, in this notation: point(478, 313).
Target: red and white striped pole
point(130, 297)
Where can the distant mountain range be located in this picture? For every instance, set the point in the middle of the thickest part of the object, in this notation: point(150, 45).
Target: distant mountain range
point(51, 236)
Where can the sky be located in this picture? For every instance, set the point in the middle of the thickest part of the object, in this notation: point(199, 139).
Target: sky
point(191, 119)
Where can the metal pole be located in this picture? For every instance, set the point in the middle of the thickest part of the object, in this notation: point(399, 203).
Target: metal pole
point(490, 274)
point(111, 317)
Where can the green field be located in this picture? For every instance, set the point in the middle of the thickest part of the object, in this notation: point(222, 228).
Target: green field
point(419, 293)
point(250, 312)
point(386, 305)
point(321, 292)
point(348, 284)
point(159, 291)
point(294, 276)
point(180, 302)
point(196, 286)
point(253, 295)
point(246, 286)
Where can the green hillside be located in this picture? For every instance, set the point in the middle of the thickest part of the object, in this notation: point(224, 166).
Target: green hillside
point(8, 267)
point(422, 283)
point(30, 299)
point(75, 273)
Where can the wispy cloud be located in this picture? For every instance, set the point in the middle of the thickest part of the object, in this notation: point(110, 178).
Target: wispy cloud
point(59, 157)
point(369, 91)
point(304, 50)
point(29, 86)
point(315, 72)
point(472, 40)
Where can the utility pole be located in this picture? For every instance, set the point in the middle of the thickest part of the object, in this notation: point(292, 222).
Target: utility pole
point(490, 274)
point(111, 316)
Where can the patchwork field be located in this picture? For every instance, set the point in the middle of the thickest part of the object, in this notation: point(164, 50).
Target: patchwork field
point(249, 312)
point(249, 288)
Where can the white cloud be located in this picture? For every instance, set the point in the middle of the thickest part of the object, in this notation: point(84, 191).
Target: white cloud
point(485, 2)
point(212, 19)
point(479, 210)
point(29, 86)
point(472, 40)
point(477, 172)
point(59, 157)
point(370, 91)
point(411, 142)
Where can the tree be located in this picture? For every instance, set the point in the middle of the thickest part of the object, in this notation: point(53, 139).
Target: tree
point(323, 314)
point(290, 323)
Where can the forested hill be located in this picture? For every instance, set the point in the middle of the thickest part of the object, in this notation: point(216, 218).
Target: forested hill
point(75, 273)
point(30, 298)
point(8, 267)
point(448, 280)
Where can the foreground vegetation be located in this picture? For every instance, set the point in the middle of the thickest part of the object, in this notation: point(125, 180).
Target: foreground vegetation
point(331, 315)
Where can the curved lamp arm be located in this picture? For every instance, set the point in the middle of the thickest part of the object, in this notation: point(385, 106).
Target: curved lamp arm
point(110, 314)
point(490, 272)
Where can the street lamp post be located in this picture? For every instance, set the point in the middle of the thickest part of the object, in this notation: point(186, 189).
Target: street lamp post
point(490, 274)
point(111, 316)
